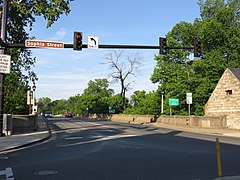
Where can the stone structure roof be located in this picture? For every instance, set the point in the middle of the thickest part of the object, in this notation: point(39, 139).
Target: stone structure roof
point(236, 72)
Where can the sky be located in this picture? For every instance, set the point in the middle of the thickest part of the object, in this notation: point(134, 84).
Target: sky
point(64, 73)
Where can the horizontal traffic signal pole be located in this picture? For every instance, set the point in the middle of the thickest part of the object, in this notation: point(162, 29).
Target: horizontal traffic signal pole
point(104, 46)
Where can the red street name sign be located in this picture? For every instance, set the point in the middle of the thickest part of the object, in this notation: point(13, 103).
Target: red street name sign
point(43, 44)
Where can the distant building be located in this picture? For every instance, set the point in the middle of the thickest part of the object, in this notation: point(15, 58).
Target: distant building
point(225, 99)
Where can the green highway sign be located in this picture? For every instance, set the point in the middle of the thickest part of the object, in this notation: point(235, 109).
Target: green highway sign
point(111, 111)
point(173, 102)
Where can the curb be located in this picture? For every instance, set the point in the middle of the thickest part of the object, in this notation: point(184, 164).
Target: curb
point(33, 142)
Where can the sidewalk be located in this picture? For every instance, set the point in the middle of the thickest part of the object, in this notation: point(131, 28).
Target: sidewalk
point(21, 140)
point(210, 131)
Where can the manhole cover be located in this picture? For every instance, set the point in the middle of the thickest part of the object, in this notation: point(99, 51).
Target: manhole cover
point(45, 172)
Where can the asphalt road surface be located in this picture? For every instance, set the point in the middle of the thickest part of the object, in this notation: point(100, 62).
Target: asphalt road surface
point(88, 149)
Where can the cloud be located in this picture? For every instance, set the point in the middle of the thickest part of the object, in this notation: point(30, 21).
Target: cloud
point(59, 35)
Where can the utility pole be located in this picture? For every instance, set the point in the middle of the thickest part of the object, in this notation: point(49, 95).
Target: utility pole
point(2, 51)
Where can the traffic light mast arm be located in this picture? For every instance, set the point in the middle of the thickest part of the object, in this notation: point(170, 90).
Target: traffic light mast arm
point(106, 46)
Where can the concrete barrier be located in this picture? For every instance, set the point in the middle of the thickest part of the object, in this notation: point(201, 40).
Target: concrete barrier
point(127, 118)
point(191, 121)
point(194, 121)
point(24, 123)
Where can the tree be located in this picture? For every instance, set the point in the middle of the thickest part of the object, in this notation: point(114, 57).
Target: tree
point(59, 106)
point(95, 96)
point(123, 70)
point(116, 103)
point(218, 31)
point(44, 104)
point(21, 17)
point(144, 103)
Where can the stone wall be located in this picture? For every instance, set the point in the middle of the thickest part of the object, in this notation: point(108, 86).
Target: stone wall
point(126, 118)
point(192, 121)
point(233, 120)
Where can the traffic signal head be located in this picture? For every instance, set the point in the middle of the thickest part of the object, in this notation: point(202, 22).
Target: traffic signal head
point(77, 41)
point(163, 45)
point(197, 49)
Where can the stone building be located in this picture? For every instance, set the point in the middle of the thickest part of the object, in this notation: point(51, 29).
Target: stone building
point(225, 99)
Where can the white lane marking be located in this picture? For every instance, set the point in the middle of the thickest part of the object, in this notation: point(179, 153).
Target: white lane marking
point(3, 156)
point(79, 137)
point(8, 173)
point(102, 139)
point(98, 136)
point(161, 131)
point(70, 138)
point(106, 130)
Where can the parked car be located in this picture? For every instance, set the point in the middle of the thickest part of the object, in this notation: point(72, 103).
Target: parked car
point(70, 115)
point(48, 114)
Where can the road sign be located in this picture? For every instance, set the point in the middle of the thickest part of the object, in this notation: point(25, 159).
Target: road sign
point(93, 42)
point(112, 111)
point(5, 62)
point(43, 44)
point(173, 102)
point(189, 98)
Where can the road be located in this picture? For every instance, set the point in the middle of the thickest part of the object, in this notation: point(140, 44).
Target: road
point(88, 149)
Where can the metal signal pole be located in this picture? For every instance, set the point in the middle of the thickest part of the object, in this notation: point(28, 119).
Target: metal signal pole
point(2, 51)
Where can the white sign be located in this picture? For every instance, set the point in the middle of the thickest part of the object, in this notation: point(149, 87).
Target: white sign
point(5, 62)
point(93, 42)
point(189, 98)
point(30, 97)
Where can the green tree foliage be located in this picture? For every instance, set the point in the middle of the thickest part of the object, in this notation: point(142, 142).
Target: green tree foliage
point(96, 98)
point(59, 107)
point(144, 103)
point(96, 94)
point(218, 31)
point(45, 104)
point(21, 17)
point(116, 103)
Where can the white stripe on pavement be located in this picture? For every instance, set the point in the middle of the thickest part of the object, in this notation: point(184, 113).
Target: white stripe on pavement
point(8, 173)
point(70, 138)
point(103, 139)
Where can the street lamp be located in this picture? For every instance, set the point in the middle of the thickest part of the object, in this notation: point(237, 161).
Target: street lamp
point(30, 96)
point(87, 111)
point(34, 87)
point(162, 102)
point(33, 104)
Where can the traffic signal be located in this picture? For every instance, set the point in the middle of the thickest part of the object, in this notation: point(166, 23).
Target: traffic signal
point(163, 45)
point(77, 41)
point(197, 49)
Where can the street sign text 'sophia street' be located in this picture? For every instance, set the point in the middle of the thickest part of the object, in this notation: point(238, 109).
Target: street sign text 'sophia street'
point(43, 44)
